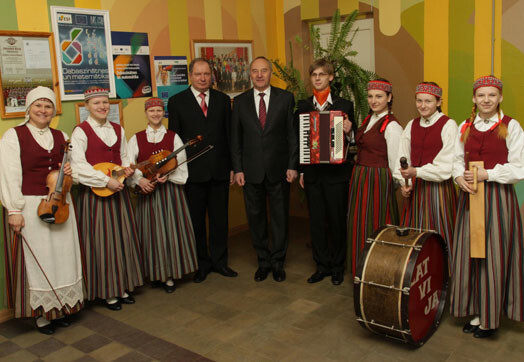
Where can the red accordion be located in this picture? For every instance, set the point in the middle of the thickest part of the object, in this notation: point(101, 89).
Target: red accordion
point(321, 137)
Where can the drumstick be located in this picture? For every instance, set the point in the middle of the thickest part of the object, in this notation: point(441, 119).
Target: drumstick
point(404, 166)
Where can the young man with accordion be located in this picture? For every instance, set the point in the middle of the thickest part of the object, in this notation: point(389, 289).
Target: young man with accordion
point(325, 123)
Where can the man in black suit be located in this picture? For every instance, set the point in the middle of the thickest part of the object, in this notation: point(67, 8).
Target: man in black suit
point(327, 185)
point(200, 110)
point(264, 151)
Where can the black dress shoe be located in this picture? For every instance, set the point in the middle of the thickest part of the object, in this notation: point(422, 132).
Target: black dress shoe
point(483, 333)
point(318, 276)
point(62, 322)
point(127, 300)
point(169, 288)
point(226, 271)
point(337, 278)
point(200, 276)
point(279, 274)
point(157, 284)
point(261, 274)
point(47, 329)
point(114, 306)
point(470, 328)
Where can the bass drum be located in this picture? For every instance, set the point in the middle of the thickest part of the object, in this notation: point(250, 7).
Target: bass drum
point(401, 283)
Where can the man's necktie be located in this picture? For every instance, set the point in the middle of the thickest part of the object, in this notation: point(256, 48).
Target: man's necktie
point(262, 111)
point(203, 104)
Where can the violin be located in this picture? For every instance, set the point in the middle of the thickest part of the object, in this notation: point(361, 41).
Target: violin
point(54, 209)
point(161, 162)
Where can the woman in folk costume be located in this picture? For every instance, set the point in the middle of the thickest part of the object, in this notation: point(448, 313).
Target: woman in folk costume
point(43, 261)
point(485, 288)
point(372, 199)
point(111, 247)
point(428, 144)
point(163, 221)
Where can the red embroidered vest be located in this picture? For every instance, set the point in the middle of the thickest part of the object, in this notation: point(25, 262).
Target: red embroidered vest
point(146, 148)
point(36, 161)
point(372, 150)
point(97, 151)
point(426, 142)
point(486, 146)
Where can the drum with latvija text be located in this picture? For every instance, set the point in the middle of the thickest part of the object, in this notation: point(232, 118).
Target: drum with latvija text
point(401, 283)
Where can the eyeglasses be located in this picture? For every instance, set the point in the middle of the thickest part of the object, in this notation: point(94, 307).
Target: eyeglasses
point(321, 75)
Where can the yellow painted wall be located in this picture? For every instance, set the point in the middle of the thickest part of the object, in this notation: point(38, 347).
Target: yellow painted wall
point(170, 24)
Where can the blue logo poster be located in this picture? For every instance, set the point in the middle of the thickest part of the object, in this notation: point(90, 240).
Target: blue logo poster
point(132, 64)
point(171, 76)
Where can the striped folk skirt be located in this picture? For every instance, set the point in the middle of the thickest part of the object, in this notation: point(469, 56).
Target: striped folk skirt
point(372, 203)
point(165, 229)
point(487, 287)
point(432, 206)
point(110, 244)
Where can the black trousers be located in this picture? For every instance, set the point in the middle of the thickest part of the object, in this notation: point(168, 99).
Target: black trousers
point(211, 197)
point(256, 196)
point(328, 205)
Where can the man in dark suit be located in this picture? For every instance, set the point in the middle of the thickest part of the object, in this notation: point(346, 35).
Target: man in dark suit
point(327, 185)
point(200, 110)
point(264, 152)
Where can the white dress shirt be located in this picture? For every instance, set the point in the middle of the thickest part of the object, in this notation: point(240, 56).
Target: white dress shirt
point(508, 173)
point(83, 171)
point(256, 93)
point(11, 167)
point(155, 136)
point(441, 168)
point(391, 134)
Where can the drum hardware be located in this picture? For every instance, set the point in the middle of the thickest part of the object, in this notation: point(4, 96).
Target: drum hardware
point(403, 290)
point(418, 230)
point(371, 241)
point(402, 231)
point(392, 328)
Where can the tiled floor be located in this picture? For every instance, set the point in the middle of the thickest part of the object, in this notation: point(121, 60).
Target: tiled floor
point(237, 319)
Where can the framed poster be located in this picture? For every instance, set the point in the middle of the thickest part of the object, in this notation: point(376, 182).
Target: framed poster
point(132, 64)
point(27, 60)
point(115, 112)
point(171, 77)
point(83, 43)
point(230, 62)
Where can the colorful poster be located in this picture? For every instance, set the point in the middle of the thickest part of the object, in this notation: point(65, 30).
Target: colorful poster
point(25, 63)
point(132, 64)
point(83, 46)
point(171, 76)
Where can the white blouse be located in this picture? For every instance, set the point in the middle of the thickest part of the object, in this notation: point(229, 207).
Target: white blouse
point(440, 169)
point(11, 166)
point(508, 173)
point(155, 136)
point(83, 171)
point(391, 134)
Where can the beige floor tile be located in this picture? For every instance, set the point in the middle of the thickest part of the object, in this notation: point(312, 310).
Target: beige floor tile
point(303, 306)
point(110, 352)
point(65, 354)
point(20, 356)
point(28, 339)
point(73, 334)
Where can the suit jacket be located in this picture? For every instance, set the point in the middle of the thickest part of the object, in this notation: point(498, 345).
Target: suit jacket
point(187, 119)
point(325, 172)
point(267, 152)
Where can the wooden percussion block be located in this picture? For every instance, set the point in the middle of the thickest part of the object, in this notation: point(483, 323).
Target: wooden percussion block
point(477, 228)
